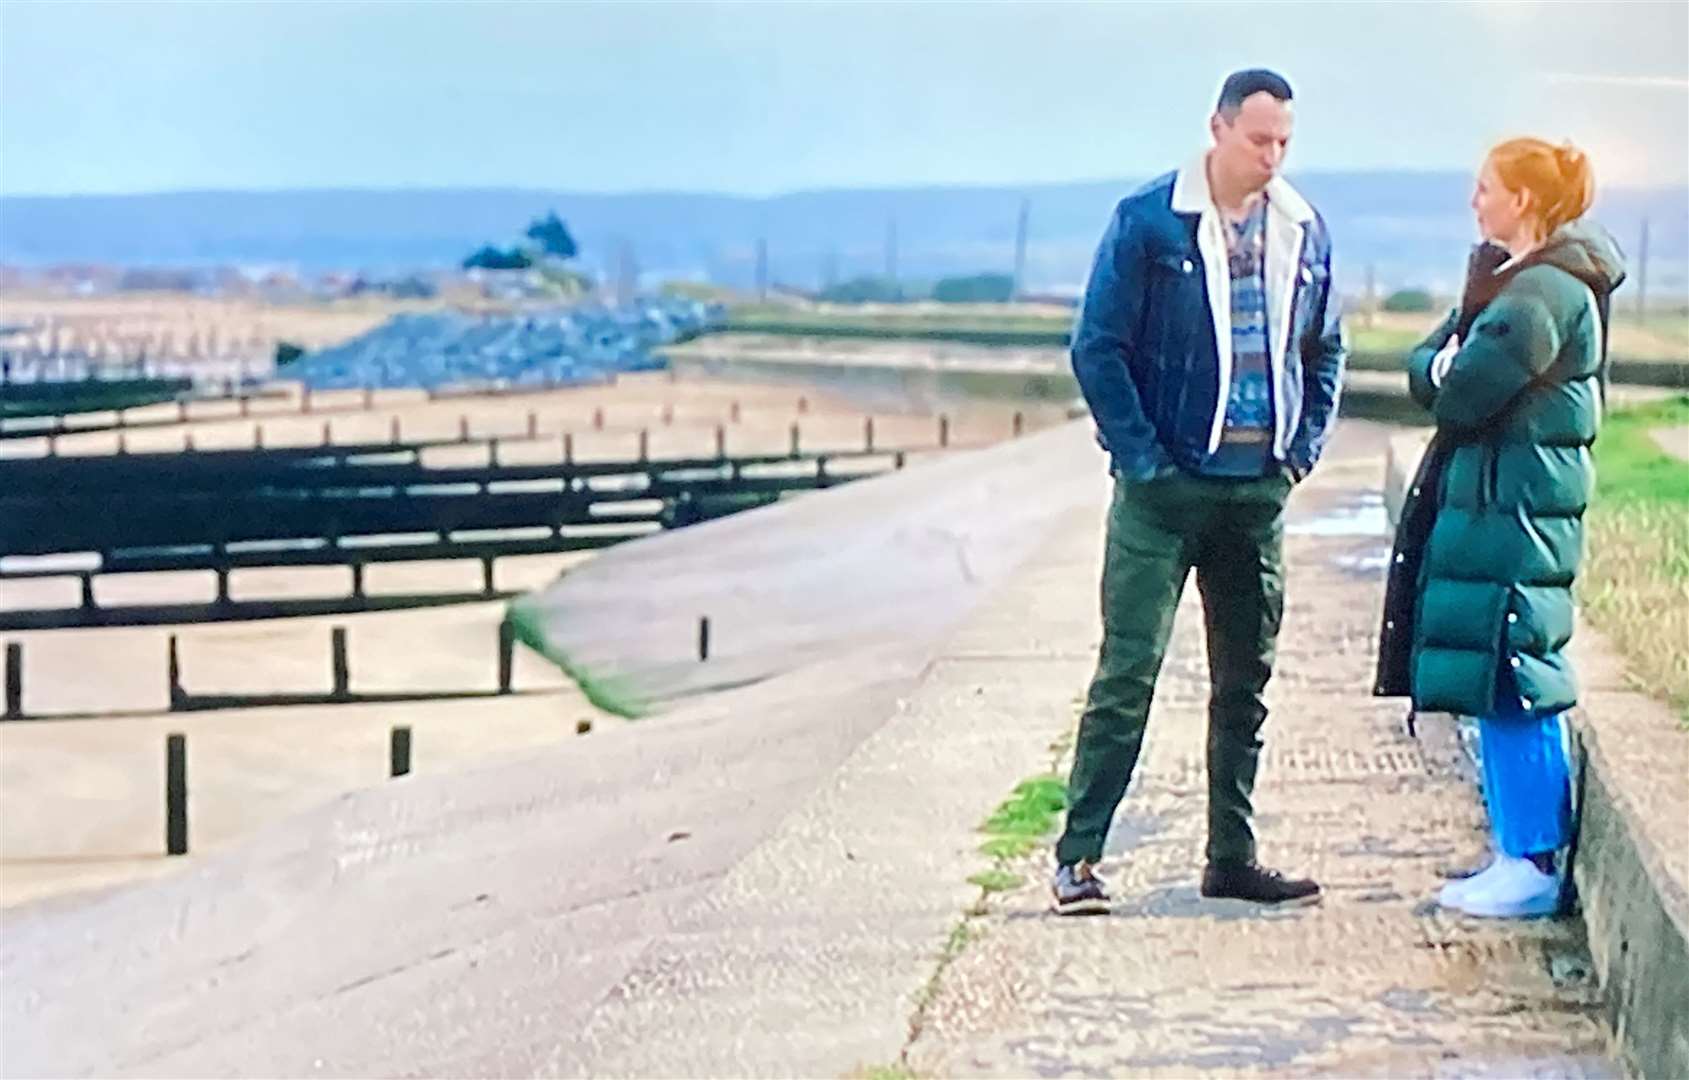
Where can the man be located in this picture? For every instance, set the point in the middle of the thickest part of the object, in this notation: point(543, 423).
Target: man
point(1211, 355)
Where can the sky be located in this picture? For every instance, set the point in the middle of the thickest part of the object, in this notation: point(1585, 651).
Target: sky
point(764, 98)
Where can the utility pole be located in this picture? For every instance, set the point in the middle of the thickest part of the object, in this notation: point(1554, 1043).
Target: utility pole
point(1642, 276)
point(1019, 285)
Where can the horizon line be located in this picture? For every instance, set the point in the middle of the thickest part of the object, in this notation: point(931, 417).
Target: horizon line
point(392, 189)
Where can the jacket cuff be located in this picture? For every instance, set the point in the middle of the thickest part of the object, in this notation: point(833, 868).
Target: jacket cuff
point(1147, 465)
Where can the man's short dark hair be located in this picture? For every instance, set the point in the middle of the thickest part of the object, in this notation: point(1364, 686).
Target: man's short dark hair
point(1240, 85)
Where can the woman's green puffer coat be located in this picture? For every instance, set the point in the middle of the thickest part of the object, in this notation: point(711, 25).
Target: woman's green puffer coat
point(1517, 410)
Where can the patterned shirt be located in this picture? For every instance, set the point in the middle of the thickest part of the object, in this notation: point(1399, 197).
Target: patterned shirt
point(1246, 442)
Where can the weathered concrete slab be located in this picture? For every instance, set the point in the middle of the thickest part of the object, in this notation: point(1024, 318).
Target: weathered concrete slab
point(796, 582)
point(1375, 982)
point(474, 923)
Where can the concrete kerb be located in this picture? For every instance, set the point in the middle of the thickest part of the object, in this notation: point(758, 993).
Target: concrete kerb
point(608, 694)
point(1631, 865)
point(1635, 913)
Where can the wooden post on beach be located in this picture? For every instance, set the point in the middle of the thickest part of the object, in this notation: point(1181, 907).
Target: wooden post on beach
point(704, 637)
point(342, 670)
point(175, 794)
point(399, 752)
point(506, 655)
point(14, 680)
point(173, 675)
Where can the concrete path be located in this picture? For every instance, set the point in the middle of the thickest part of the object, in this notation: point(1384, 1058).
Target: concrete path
point(1375, 982)
point(1673, 440)
point(896, 558)
point(771, 880)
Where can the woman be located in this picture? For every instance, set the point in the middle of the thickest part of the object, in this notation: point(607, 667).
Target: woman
point(1478, 609)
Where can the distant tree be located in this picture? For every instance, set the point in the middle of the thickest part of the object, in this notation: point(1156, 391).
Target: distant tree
point(492, 258)
point(1415, 300)
point(287, 352)
point(552, 236)
point(975, 289)
point(863, 290)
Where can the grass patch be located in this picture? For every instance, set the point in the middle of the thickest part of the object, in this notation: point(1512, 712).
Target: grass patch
point(997, 880)
point(1014, 829)
point(1031, 810)
point(1635, 583)
point(611, 695)
point(1652, 355)
point(1631, 467)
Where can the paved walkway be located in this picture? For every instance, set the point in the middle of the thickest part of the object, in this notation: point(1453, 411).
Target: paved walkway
point(772, 880)
point(1377, 981)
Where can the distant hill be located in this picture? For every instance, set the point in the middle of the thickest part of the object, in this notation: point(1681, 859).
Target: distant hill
point(1412, 227)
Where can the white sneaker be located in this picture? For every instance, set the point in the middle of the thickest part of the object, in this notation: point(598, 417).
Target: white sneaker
point(1515, 889)
point(1454, 891)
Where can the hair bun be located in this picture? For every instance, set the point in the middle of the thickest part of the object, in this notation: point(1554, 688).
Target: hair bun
point(1560, 180)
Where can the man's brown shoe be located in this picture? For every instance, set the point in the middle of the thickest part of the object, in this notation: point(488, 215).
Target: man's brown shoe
point(1248, 881)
